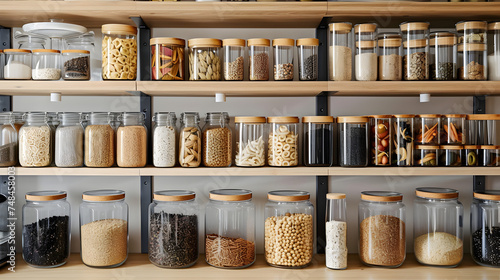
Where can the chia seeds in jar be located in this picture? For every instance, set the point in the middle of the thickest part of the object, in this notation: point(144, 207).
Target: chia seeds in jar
point(307, 49)
point(318, 140)
point(485, 228)
point(76, 65)
point(353, 133)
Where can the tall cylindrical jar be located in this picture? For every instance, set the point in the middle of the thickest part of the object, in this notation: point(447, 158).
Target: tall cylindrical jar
point(35, 141)
point(307, 49)
point(416, 50)
point(438, 227)
point(119, 52)
point(340, 54)
point(283, 141)
point(318, 140)
point(46, 229)
point(403, 140)
point(250, 141)
point(132, 140)
point(390, 60)
point(164, 139)
point(289, 218)
point(205, 59)
point(443, 56)
point(104, 228)
point(381, 133)
point(472, 50)
point(353, 134)
point(283, 50)
point(234, 58)
point(453, 130)
point(190, 140)
point(230, 229)
point(76, 65)
point(167, 59)
point(428, 129)
point(9, 140)
point(336, 231)
point(99, 140)
point(46, 65)
point(217, 140)
point(17, 64)
point(382, 235)
point(258, 59)
point(365, 60)
point(173, 229)
point(69, 141)
point(485, 228)
point(482, 129)
point(494, 51)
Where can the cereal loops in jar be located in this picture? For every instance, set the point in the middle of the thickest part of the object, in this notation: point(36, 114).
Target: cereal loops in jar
point(119, 52)
point(283, 141)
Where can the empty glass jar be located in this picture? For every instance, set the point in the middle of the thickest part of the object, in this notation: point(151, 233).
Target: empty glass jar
point(131, 140)
point(119, 52)
point(283, 143)
point(283, 59)
point(381, 132)
point(336, 231)
point(217, 140)
point(164, 139)
point(482, 129)
point(99, 140)
point(451, 155)
point(365, 60)
point(491, 155)
point(167, 59)
point(390, 60)
point(69, 141)
point(258, 59)
point(353, 134)
point(35, 141)
point(494, 51)
point(443, 56)
point(204, 59)
point(340, 54)
point(426, 155)
point(318, 140)
point(250, 141)
point(416, 50)
point(485, 228)
point(190, 140)
point(46, 65)
point(17, 64)
point(234, 51)
point(307, 49)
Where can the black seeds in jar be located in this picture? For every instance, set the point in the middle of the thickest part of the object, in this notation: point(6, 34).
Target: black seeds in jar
point(318, 147)
point(353, 147)
point(486, 246)
point(77, 68)
point(309, 69)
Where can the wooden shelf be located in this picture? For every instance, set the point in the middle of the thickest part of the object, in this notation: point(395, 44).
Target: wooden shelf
point(78, 171)
point(67, 88)
point(236, 171)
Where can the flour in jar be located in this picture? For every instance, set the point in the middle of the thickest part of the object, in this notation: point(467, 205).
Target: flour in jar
point(164, 146)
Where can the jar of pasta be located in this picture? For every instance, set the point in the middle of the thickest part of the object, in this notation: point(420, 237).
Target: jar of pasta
point(283, 141)
point(283, 59)
point(318, 140)
point(35, 141)
point(190, 140)
point(472, 155)
point(353, 135)
point(164, 139)
point(340, 54)
point(416, 50)
point(167, 59)
point(491, 155)
point(8, 141)
point(119, 52)
point(451, 155)
point(453, 129)
point(258, 58)
point(204, 59)
point(426, 155)
point(131, 140)
point(428, 129)
point(217, 140)
point(99, 140)
point(234, 51)
point(250, 141)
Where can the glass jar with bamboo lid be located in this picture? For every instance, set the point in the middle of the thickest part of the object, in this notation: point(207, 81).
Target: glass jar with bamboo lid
point(390, 60)
point(416, 50)
point(234, 51)
point(443, 56)
point(340, 54)
point(365, 60)
point(167, 59)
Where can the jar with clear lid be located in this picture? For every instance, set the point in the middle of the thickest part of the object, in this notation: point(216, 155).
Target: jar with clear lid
point(382, 229)
point(217, 140)
point(381, 133)
point(86, 42)
point(204, 59)
point(416, 50)
point(336, 231)
point(190, 140)
point(426, 155)
point(283, 59)
point(167, 59)
point(230, 229)
point(46, 65)
point(318, 140)
point(365, 60)
point(131, 140)
point(390, 60)
point(289, 212)
point(485, 228)
point(428, 129)
point(17, 64)
point(76, 65)
point(164, 139)
point(250, 141)
point(46, 229)
point(30, 42)
point(234, 52)
point(69, 141)
point(119, 52)
point(443, 56)
point(35, 141)
point(307, 49)
point(451, 155)
point(8, 141)
point(472, 55)
point(403, 140)
point(104, 228)
point(340, 54)
point(258, 59)
point(353, 133)
point(99, 141)
point(494, 51)
point(491, 155)
point(453, 129)
point(438, 227)
point(173, 229)
point(283, 141)
point(472, 155)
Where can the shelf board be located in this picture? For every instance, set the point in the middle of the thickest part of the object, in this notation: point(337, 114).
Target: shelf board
point(235, 171)
point(414, 171)
point(77, 171)
point(67, 88)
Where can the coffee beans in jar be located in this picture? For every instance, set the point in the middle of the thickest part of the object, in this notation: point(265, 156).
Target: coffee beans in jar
point(258, 59)
point(204, 59)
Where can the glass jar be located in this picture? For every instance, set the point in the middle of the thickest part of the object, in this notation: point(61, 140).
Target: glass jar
point(336, 231)
point(131, 140)
point(2, 63)
point(86, 42)
point(164, 139)
point(340, 54)
point(250, 141)
point(258, 59)
point(167, 59)
point(381, 139)
point(173, 229)
point(234, 51)
point(30, 42)
point(17, 64)
point(426, 155)
point(119, 52)
point(204, 59)
point(390, 61)
point(485, 228)
point(451, 155)
point(494, 51)
point(416, 50)
point(318, 140)
point(484, 128)
point(8, 141)
point(307, 49)
point(283, 142)
point(190, 140)
point(472, 32)
point(104, 228)
point(217, 140)
point(353, 133)
point(428, 129)
point(453, 129)
point(289, 217)
point(443, 56)
point(35, 141)
point(365, 61)
point(472, 40)
point(46, 65)
point(230, 229)
point(382, 234)
point(438, 227)
point(18, 120)
point(46, 229)
point(404, 140)
point(283, 59)
point(69, 141)
point(76, 65)
point(99, 141)
point(491, 155)
point(472, 155)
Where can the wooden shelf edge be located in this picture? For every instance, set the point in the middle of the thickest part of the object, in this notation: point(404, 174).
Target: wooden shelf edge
point(235, 171)
point(78, 171)
point(414, 171)
point(67, 88)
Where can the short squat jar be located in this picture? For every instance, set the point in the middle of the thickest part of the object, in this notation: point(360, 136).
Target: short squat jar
point(76, 65)
point(289, 217)
point(69, 141)
point(283, 141)
point(453, 130)
point(426, 155)
point(46, 65)
point(190, 140)
point(438, 227)
point(35, 141)
point(365, 60)
point(473, 155)
point(318, 140)
point(205, 59)
point(443, 56)
point(217, 140)
point(340, 53)
point(234, 53)
point(472, 50)
point(353, 133)
point(336, 231)
point(451, 155)
point(131, 140)
point(390, 60)
point(307, 49)
point(491, 155)
point(230, 229)
point(104, 228)
point(99, 140)
point(428, 129)
point(167, 59)
point(381, 133)
point(494, 51)
point(381, 217)
point(119, 52)
point(164, 139)
point(258, 59)
point(283, 50)
point(17, 64)
point(173, 229)
point(485, 228)
point(46, 229)
point(416, 50)
point(250, 141)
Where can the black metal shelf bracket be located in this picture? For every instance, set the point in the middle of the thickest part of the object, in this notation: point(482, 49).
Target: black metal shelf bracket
point(479, 182)
point(5, 38)
point(144, 49)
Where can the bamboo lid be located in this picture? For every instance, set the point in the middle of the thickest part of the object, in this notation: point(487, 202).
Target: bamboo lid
point(426, 147)
point(234, 42)
point(420, 43)
point(45, 195)
point(366, 44)
point(341, 27)
point(307, 42)
point(174, 195)
point(457, 116)
point(404, 116)
point(464, 25)
point(282, 120)
point(318, 119)
point(413, 26)
point(352, 119)
point(230, 195)
point(119, 29)
point(472, 47)
point(288, 196)
point(45, 51)
point(284, 42)
point(468, 147)
point(437, 193)
point(365, 27)
point(250, 119)
point(381, 196)
point(390, 42)
point(103, 195)
point(494, 26)
point(204, 42)
point(335, 196)
point(487, 195)
point(16, 50)
point(451, 147)
point(76, 51)
point(490, 147)
point(443, 39)
point(167, 41)
point(484, 117)
point(381, 116)
point(428, 116)
point(259, 42)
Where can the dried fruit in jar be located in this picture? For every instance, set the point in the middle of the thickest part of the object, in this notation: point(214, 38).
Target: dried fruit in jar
point(452, 134)
point(428, 135)
point(167, 63)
